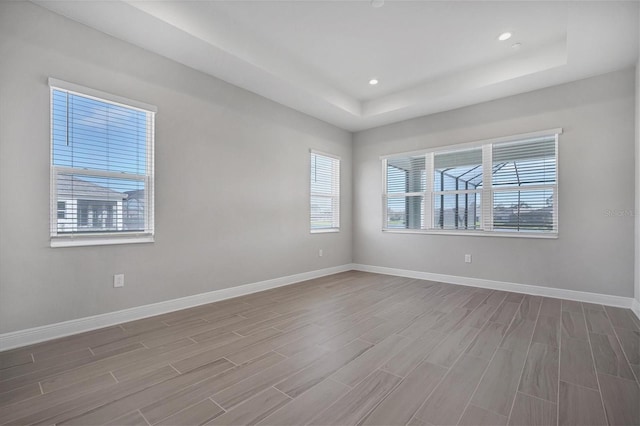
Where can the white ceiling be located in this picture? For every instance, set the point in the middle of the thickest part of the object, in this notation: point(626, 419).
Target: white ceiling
point(429, 56)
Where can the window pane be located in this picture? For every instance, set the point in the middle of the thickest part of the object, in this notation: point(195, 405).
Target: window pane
point(525, 163)
point(99, 204)
point(96, 135)
point(323, 174)
point(458, 170)
point(457, 211)
point(405, 212)
point(523, 210)
point(322, 211)
point(406, 175)
point(397, 181)
point(325, 192)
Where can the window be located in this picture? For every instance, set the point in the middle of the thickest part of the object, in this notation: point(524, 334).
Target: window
point(325, 193)
point(457, 189)
point(62, 209)
point(406, 184)
point(101, 167)
point(506, 186)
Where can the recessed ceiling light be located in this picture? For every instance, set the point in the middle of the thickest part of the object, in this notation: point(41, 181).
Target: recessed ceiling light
point(516, 46)
point(373, 82)
point(377, 3)
point(504, 36)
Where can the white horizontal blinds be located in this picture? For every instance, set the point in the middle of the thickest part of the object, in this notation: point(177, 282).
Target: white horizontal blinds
point(325, 192)
point(102, 166)
point(487, 182)
point(406, 184)
point(504, 185)
point(457, 189)
point(525, 185)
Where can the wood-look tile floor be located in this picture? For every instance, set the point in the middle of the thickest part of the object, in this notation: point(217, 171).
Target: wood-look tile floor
point(352, 348)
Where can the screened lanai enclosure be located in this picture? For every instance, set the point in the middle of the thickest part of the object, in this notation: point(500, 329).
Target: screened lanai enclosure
point(501, 187)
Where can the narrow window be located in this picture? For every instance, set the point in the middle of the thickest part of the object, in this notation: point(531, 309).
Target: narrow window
point(325, 192)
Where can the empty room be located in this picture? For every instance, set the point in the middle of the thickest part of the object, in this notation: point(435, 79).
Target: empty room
point(289, 212)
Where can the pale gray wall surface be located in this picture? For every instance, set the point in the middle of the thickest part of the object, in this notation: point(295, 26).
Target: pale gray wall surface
point(637, 185)
point(232, 179)
point(594, 251)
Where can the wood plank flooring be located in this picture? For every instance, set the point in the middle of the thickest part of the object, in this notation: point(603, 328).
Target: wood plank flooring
point(349, 349)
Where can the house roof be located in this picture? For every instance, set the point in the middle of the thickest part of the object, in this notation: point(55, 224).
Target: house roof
point(137, 194)
point(73, 188)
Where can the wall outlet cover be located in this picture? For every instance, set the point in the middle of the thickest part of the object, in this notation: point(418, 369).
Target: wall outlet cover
point(118, 280)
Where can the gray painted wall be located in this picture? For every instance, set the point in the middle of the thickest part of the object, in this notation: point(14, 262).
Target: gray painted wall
point(637, 184)
point(594, 252)
point(231, 179)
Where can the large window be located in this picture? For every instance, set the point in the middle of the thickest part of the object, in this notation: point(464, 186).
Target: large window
point(325, 192)
point(101, 167)
point(506, 186)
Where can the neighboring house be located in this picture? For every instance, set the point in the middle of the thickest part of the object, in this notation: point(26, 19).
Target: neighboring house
point(86, 206)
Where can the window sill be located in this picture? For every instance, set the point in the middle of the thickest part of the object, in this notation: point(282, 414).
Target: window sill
point(500, 234)
point(85, 240)
point(324, 231)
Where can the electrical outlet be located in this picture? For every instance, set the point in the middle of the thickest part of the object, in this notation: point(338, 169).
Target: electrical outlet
point(467, 258)
point(118, 280)
point(320, 253)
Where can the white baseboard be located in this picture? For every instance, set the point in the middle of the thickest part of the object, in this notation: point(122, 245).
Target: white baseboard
point(53, 331)
point(30, 336)
point(580, 296)
point(635, 307)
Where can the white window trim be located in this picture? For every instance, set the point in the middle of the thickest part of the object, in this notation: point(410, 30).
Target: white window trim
point(324, 231)
point(107, 238)
point(475, 144)
point(100, 95)
point(102, 240)
point(337, 197)
point(486, 213)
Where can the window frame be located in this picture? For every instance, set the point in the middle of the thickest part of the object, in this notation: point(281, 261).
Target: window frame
point(487, 192)
point(80, 238)
point(334, 196)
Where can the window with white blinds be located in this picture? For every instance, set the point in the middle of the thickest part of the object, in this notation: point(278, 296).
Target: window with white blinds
point(101, 167)
point(457, 189)
point(325, 192)
point(506, 186)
